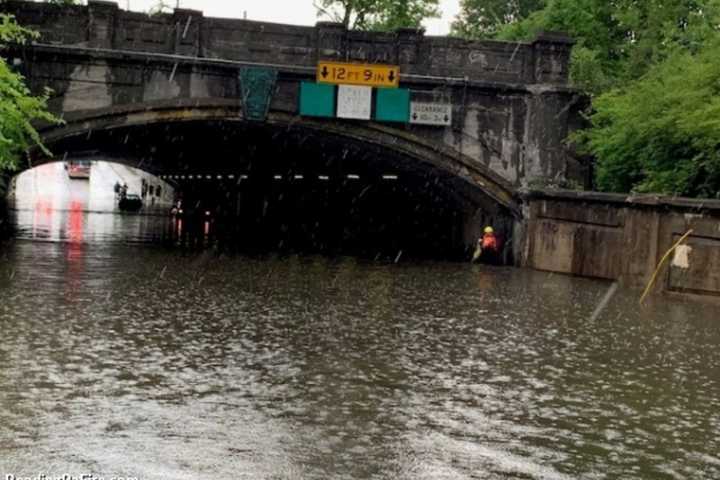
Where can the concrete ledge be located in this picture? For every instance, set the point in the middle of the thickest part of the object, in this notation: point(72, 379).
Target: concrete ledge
point(554, 37)
point(306, 72)
point(624, 200)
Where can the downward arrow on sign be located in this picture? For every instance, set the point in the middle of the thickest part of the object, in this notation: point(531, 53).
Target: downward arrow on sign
point(324, 72)
point(391, 77)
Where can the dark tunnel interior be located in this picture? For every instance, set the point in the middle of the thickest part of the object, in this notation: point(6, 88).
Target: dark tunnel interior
point(289, 188)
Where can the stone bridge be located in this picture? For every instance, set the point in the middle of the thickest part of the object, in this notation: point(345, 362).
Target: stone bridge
point(160, 91)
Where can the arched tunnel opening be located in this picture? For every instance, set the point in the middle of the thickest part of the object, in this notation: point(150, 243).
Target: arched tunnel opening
point(274, 187)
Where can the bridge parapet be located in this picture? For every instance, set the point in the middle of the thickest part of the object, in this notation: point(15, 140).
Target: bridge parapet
point(102, 24)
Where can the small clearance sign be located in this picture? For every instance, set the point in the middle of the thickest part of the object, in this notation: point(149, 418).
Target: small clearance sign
point(358, 74)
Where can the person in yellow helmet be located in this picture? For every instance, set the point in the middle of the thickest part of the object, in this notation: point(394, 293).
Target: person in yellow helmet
point(488, 247)
point(489, 240)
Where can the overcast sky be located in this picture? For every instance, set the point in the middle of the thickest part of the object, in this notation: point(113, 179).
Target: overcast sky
point(298, 12)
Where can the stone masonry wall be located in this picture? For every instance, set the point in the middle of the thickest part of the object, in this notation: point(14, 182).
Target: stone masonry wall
point(187, 32)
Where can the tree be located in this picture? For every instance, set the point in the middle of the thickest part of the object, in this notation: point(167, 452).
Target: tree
point(18, 107)
point(382, 15)
point(651, 71)
point(484, 18)
point(351, 13)
point(619, 40)
point(662, 132)
point(394, 14)
point(601, 41)
point(160, 6)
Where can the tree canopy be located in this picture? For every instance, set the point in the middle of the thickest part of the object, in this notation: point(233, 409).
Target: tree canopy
point(652, 71)
point(661, 133)
point(18, 107)
point(484, 18)
point(382, 15)
point(619, 40)
point(160, 6)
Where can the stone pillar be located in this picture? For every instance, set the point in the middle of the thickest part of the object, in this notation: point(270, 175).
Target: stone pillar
point(331, 41)
point(188, 28)
point(408, 46)
point(545, 158)
point(552, 58)
point(101, 23)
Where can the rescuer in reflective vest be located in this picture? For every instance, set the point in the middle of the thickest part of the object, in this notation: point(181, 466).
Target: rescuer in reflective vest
point(488, 247)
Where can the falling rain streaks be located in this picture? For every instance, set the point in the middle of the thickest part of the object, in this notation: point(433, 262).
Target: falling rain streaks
point(337, 368)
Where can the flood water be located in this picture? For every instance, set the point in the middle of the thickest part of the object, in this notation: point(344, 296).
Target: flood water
point(122, 357)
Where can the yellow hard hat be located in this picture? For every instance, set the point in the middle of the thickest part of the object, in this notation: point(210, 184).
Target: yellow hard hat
point(489, 230)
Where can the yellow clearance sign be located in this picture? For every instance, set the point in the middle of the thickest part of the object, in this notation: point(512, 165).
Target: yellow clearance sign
point(358, 74)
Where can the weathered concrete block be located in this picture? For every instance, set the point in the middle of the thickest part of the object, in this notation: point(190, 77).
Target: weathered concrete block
point(101, 23)
point(408, 47)
point(330, 41)
point(188, 29)
point(552, 57)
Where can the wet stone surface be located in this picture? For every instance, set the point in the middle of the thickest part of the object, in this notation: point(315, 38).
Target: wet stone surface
point(119, 357)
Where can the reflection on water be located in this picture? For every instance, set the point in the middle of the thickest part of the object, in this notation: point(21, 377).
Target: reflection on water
point(49, 187)
point(120, 359)
point(76, 225)
point(49, 206)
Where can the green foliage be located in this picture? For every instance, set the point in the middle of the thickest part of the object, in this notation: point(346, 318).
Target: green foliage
point(484, 18)
point(160, 6)
point(598, 56)
point(619, 40)
point(662, 132)
point(394, 14)
point(381, 15)
point(654, 78)
point(18, 107)
point(11, 32)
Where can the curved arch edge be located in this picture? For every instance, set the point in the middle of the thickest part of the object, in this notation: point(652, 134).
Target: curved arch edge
point(403, 142)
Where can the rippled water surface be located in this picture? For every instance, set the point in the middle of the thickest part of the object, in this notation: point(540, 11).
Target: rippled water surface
point(124, 358)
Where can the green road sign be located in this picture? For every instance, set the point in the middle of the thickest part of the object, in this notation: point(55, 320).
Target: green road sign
point(256, 89)
point(317, 100)
point(392, 105)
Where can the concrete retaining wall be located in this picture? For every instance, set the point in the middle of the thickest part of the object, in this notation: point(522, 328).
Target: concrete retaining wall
point(620, 237)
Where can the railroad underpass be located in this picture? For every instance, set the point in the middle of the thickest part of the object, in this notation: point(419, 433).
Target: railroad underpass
point(255, 187)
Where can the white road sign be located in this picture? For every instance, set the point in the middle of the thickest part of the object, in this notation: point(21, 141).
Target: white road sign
point(425, 113)
point(354, 102)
